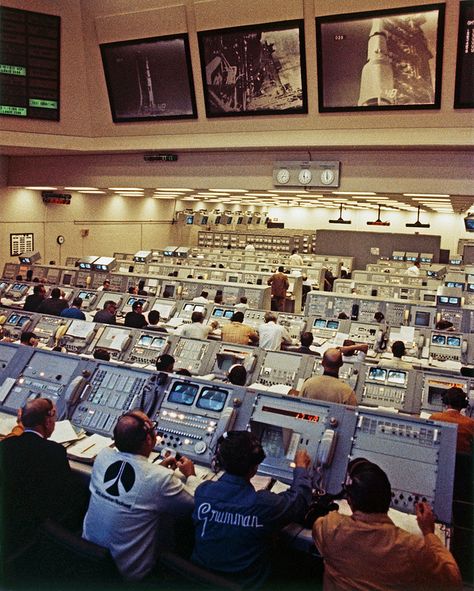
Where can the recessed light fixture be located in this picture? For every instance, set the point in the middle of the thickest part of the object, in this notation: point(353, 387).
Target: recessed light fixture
point(81, 188)
point(425, 195)
point(354, 193)
point(42, 188)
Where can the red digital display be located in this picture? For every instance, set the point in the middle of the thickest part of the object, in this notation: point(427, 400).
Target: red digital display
point(300, 416)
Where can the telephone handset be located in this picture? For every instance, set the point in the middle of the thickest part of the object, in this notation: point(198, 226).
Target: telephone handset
point(226, 422)
point(72, 395)
point(3, 319)
point(326, 448)
point(60, 332)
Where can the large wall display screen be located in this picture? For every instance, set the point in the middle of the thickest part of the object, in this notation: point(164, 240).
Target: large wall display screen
point(464, 94)
point(29, 64)
point(254, 70)
point(381, 60)
point(149, 79)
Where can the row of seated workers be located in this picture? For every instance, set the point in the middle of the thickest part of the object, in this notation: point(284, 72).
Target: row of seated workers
point(137, 508)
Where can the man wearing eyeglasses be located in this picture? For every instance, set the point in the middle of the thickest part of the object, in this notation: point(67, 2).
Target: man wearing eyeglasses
point(36, 481)
point(132, 498)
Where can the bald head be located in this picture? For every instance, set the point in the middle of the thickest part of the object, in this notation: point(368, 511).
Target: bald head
point(134, 433)
point(39, 415)
point(332, 361)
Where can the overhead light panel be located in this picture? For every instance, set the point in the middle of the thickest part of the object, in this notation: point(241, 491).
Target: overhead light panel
point(378, 221)
point(354, 193)
point(425, 195)
point(340, 219)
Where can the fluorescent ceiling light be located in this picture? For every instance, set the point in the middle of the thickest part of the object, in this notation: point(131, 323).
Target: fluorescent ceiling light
point(229, 190)
point(284, 192)
point(354, 193)
point(125, 189)
point(81, 189)
point(173, 189)
point(262, 195)
point(424, 195)
point(92, 192)
point(42, 188)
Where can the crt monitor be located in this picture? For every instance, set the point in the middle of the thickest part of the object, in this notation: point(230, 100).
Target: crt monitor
point(469, 224)
point(422, 318)
point(189, 219)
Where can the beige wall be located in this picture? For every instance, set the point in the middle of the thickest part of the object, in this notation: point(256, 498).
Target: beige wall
point(85, 109)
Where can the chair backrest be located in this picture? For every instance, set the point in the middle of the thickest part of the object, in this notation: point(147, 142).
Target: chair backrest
point(66, 556)
point(185, 570)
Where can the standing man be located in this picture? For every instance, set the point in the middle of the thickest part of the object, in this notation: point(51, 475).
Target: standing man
point(107, 314)
point(295, 259)
point(328, 386)
point(414, 270)
point(279, 284)
point(272, 335)
point(36, 481)
point(131, 496)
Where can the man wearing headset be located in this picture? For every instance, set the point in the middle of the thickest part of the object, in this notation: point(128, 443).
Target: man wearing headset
point(36, 481)
point(367, 551)
point(455, 400)
point(131, 497)
point(234, 522)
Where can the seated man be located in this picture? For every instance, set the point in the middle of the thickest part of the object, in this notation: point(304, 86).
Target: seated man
point(306, 340)
point(135, 318)
point(328, 386)
point(454, 400)
point(236, 331)
point(234, 522)
point(165, 363)
point(271, 334)
point(398, 351)
point(128, 493)
point(367, 551)
point(36, 481)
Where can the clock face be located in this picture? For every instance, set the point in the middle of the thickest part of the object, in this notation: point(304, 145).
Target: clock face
point(60, 239)
point(283, 176)
point(305, 176)
point(327, 176)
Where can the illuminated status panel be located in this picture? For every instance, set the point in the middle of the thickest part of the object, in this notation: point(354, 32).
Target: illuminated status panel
point(29, 64)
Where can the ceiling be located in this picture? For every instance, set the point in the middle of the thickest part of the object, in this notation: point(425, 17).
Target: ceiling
point(221, 198)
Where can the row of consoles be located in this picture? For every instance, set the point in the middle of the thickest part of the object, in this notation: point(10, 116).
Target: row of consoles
point(417, 454)
point(412, 323)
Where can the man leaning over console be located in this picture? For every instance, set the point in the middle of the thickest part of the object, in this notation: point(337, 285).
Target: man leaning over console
point(366, 551)
point(234, 522)
point(131, 497)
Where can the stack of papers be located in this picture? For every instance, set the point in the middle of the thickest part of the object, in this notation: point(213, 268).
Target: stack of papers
point(86, 449)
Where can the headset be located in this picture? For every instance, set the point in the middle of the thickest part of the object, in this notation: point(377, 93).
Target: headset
point(455, 395)
point(237, 452)
point(143, 428)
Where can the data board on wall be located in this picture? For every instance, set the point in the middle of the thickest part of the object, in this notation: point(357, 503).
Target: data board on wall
point(29, 64)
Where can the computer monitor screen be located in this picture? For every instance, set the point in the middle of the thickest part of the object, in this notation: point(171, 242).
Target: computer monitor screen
point(396, 377)
point(469, 224)
point(454, 284)
point(438, 339)
point(378, 374)
point(13, 319)
point(190, 219)
point(86, 295)
point(204, 220)
point(233, 279)
point(200, 309)
point(455, 301)
point(23, 320)
point(168, 291)
point(453, 341)
point(212, 399)
point(183, 393)
point(218, 312)
point(422, 318)
point(158, 343)
point(218, 219)
point(334, 324)
point(188, 308)
point(145, 340)
point(239, 220)
point(319, 323)
point(67, 279)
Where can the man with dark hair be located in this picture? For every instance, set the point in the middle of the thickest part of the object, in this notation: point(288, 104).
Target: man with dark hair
point(203, 298)
point(130, 497)
point(53, 305)
point(101, 354)
point(165, 363)
point(29, 339)
point(108, 313)
point(455, 400)
point(236, 331)
point(33, 301)
point(234, 522)
point(105, 286)
point(295, 259)
point(328, 386)
point(135, 318)
point(237, 375)
point(75, 310)
point(398, 351)
point(306, 340)
point(366, 550)
point(35, 478)
point(279, 284)
point(153, 319)
point(141, 288)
